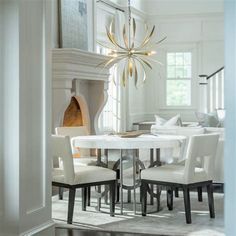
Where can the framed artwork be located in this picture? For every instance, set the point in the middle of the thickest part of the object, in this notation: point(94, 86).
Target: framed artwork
point(73, 24)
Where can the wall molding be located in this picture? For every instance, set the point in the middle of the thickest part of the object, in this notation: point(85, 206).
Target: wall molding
point(186, 16)
point(47, 225)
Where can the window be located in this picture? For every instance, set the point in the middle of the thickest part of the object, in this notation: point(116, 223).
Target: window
point(178, 79)
point(109, 120)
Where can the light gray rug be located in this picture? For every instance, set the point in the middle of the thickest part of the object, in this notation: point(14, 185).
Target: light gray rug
point(164, 222)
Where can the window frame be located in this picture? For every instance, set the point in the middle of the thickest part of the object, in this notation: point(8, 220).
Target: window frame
point(111, 87)
point(192, 48)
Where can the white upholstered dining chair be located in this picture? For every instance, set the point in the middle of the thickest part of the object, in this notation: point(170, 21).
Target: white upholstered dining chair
point(72, 177)
point(82, 156)
point(187, 176)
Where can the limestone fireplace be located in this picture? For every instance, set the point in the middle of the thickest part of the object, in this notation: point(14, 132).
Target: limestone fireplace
point(79, 88)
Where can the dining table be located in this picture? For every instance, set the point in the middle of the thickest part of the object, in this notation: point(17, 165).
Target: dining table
point(123, 143)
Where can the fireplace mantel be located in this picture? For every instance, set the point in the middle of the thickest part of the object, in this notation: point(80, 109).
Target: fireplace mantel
point(77, 73)
point(72, 63)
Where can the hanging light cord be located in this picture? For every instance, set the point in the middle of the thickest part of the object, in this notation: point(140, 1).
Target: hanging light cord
point(129, 15)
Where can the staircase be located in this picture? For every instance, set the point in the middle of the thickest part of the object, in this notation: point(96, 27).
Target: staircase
point(214, 89)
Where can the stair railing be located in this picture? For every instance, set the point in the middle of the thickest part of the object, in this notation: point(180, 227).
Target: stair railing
point(214, 89)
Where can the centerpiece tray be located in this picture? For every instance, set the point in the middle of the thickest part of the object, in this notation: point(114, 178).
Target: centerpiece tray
point(131, 134)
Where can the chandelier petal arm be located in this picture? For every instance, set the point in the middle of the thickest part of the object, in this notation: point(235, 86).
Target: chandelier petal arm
point(144, 61)
point(110, 26)
point(144, 72)
point(108, 47)
point(146, 39)
point(121, 53)
point(113, 40)
point(127, 69)
point(124, 75)
point(144, 69)
point(140, 46)
point(161, 40)
point(153, 60)
point(130, 67)
point(134, 32)
point(125, 38)
point(106, 63)
point(156, 43)
point(142, 53)
point(135, 74)
point(144, 75)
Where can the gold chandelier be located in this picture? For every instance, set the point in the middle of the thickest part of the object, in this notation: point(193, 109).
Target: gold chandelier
point(128, 55)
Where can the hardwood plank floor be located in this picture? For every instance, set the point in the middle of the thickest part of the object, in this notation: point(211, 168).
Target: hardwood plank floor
point(79, 232)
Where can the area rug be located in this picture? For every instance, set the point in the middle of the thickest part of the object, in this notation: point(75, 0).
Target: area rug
point(163, 222)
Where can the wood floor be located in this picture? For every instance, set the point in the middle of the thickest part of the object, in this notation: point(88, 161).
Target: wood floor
point(78, 232)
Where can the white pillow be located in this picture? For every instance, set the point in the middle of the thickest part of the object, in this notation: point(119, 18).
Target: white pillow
point(174, 121)
point(159, 120)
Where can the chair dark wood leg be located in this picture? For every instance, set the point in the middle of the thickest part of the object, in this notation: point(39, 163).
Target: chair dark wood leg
point(106, 195)
point(187, 205)
point(151, 196)
point(199, 191)
point(117, 186)
point(144, 198)
point(88, 196)
point(211, 200)
point(170, 199)
point(128, 196)
point(112, 188)
point(61, 193)
point(176, 192)
point(117, 192)
point(84, 198)
point(99, 198)
point(71, 203)
point(158, 192)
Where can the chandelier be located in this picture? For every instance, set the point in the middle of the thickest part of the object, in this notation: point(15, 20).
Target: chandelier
point(128, 55)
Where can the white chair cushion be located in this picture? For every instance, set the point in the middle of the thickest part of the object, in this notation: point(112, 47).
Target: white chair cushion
point(177, 130)
point(85, 161)
point(85, 174)
point(172, 174)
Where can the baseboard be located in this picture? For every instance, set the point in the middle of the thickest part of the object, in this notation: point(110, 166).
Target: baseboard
point(46, 229)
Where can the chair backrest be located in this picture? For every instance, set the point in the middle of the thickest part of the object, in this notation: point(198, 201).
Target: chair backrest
point(61, 148)
point(201, 147)
point(73, 132)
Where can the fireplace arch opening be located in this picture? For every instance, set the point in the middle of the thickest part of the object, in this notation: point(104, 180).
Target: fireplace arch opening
point(77, 114)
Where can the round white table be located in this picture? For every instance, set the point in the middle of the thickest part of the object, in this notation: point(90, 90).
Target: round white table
point(144, 141)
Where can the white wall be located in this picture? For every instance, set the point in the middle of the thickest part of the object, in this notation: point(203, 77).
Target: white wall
point(25, 187)
point(1, 116)
point(183, 7)
point(230, 89)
